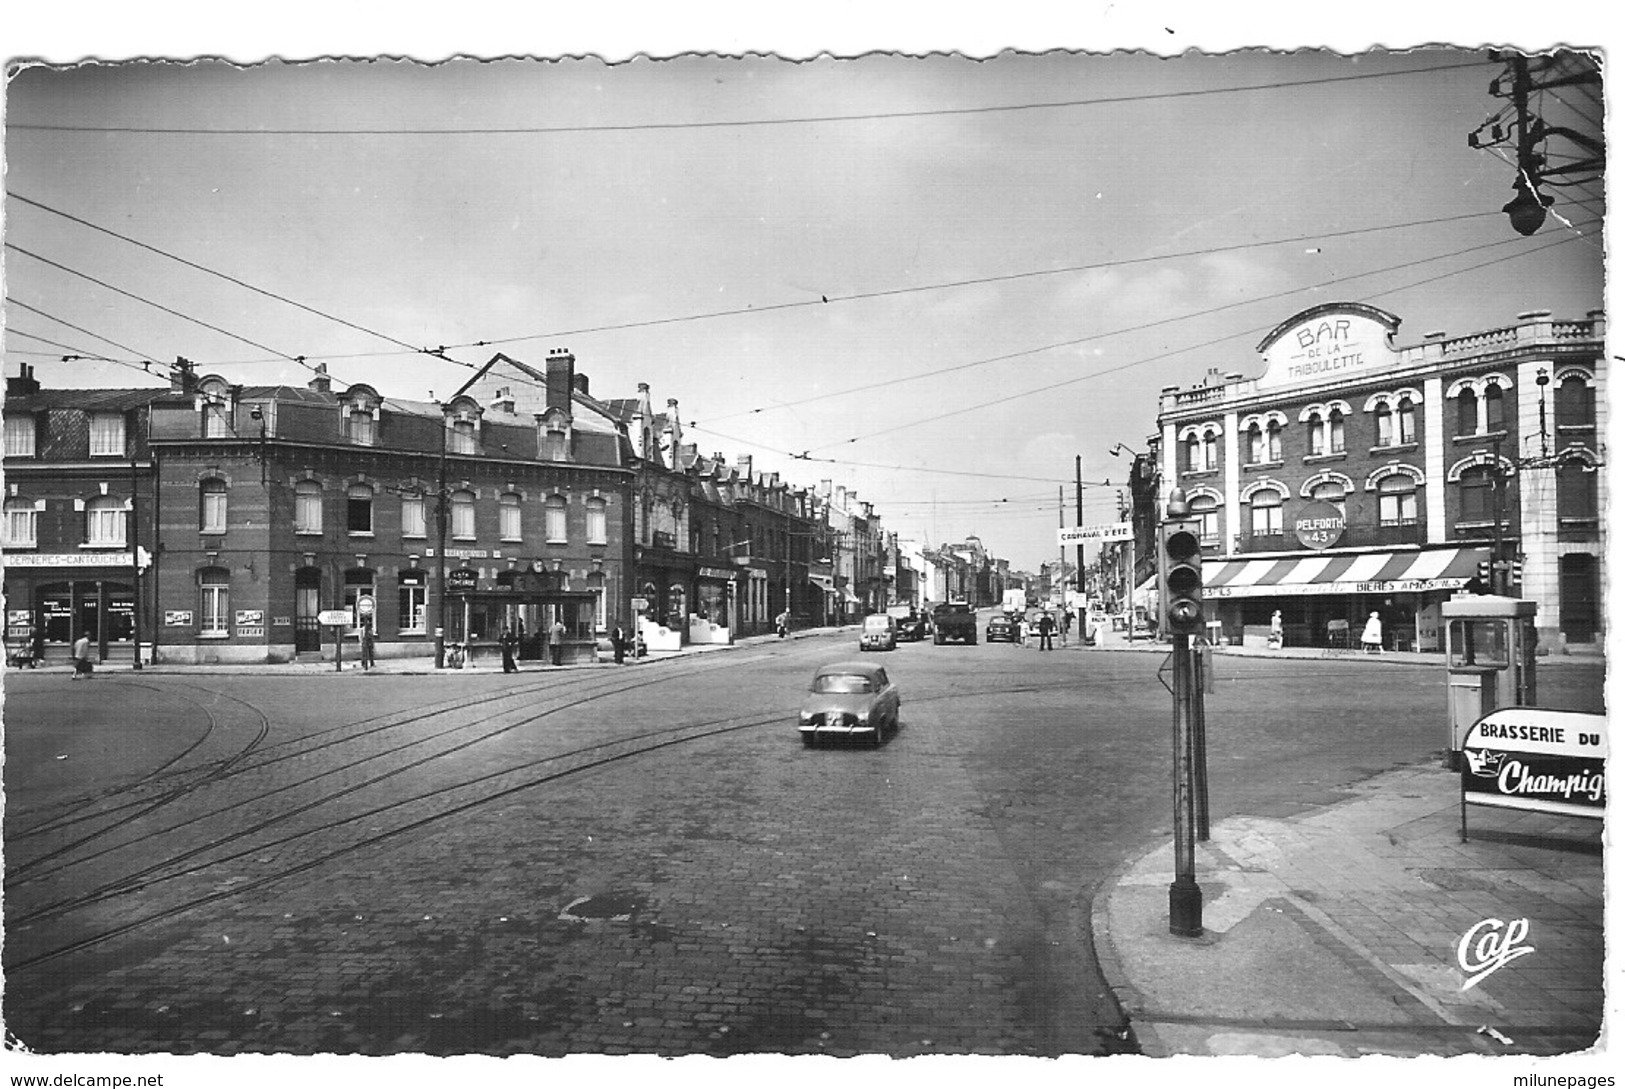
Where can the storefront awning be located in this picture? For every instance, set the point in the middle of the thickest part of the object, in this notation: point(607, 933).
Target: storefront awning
point(853, 599)
point(824, 581)
point(1360, 573)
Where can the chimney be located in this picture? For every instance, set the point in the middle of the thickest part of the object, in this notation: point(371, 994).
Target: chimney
point(561, 380)
point(321, 383)
point(743, 461)
point(581, 385)
point(23, 384)
point(183, 376)
point(673, 423)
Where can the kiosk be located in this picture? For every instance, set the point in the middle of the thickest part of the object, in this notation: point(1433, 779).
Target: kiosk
point(1490, 657)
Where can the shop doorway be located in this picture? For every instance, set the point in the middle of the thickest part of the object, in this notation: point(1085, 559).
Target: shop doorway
point(1577, 597)
point(307, 603)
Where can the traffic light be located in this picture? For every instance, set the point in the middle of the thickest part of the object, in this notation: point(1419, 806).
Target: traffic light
point(1517, 572)
point(1179, 570)
point(1484, 570)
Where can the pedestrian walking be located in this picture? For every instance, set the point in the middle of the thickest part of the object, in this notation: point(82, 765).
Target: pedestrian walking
point(510, 643)
point(556, 638)
point(1371, 637)
point(617, 640)
point(81, 658)
point(1046, 632)
point(784, 623)
point(1066, 625)
point(1277, 634)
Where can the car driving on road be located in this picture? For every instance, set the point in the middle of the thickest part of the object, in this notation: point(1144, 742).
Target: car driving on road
point(879, 633)
point(1003, 626)
point(849, 699)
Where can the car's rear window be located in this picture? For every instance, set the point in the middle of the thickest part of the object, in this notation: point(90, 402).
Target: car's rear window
point(841, 682)
point(876, 623)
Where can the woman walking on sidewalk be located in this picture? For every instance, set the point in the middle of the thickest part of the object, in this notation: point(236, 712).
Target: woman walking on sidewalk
point(81, 657)
point(1371, 638)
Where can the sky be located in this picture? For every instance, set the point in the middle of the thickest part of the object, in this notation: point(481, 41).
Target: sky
point(951, 285)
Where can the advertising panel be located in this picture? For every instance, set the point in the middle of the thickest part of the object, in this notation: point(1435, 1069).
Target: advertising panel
point(1529, 758)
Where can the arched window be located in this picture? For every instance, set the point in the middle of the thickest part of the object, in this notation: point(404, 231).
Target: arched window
point(1205, 509)
point(216, 419)
point(462, 515)
point(1405, 420)
point(1576, 490)
point(598, 521)
point(1256, 451)
point(1210, 451)
point(1193, 453)
point(558, 524)
point(1317, 435)
point(1334, 428)
point(307, 507)
point(510, 519)
point(358, 509)
point(104, 522)
point(1574, 403)
point(1494, 409)
point(212, 506)
point(462, 439)
point(1477, 494)
point(1330, 491)
point(22, 524)
point(1266, 513)
point(1396, 500)
point(1384, 419)
point(1467, 413)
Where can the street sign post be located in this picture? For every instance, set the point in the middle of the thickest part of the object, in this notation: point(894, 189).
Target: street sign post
point(1110, 531)
point(336, 618)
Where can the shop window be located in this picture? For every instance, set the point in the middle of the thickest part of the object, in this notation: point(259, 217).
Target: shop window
point(214, 602)
point(598, 522)
point(307, 507)
point(462, 515)
point(1477, 494)
point(106, 434)
point(358, 509)
point(557, 520)
point(212, 503)
point(1574, 405)
point(20, 432)
point(413, 522)
point(1494, 409)
point(1266, 513)
point(22, 524)
point(1576, 491)
point(104, 522)
point(414, 596)
point(509, 518)
point(1396, 501)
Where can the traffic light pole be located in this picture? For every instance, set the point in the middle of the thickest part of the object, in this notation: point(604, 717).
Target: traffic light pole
point(1184, 894)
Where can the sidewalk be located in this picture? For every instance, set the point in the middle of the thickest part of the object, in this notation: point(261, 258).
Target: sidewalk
point(1337, 932)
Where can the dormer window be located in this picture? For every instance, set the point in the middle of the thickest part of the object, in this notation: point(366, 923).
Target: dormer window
point(20, 436)
point(358, 426)
point(359, 407)
point(106, 434)
point(216, 418)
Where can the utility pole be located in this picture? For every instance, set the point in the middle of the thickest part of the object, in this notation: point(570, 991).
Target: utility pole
point(440, 553)
point(1077, 464)
point(135, 559)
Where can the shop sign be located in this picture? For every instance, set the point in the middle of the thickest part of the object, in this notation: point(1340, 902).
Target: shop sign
point(177, 618)
point(716, 573)
point(282, 622)
point(1533, 759)
point(462, 578)
point(1319, 525)
point(73, 559)
point(337, 618)
point(250, 617)
point(1110, 531)
point(1327, 343)
point(19, 616)
point(251, 633)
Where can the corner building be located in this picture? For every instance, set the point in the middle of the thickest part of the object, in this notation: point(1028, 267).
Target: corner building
point(1355, 476)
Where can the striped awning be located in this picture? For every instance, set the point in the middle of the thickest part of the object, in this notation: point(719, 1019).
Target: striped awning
point(1358, 573)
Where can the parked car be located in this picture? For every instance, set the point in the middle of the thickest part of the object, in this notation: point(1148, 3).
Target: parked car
point(1004, 627)
point(849, 699)
point(879, 633)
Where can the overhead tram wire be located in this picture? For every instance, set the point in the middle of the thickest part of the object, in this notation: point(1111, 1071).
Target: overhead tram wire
point(659, 126)
point(1205, 344)
point(741, 311)
point(143, 356)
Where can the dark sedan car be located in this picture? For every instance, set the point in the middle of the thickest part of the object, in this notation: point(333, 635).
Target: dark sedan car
point(849, 699)
point(1005, 627)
